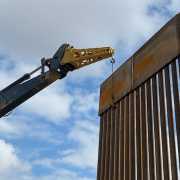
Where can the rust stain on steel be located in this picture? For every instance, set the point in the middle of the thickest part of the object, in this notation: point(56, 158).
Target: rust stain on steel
point(149, 59)
point(155, 54)
point(178, 30)
point(121, 80)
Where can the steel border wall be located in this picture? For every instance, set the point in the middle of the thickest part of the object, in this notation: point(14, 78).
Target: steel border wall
point(140, 127)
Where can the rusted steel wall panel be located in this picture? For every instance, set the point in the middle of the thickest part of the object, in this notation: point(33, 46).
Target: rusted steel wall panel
point(132, 151)
point(116, 141)
point(126, 139)
point(154, 55)
point(150, 132)
point(171, 124)
point(140, 113)
point(176, 104)
point(144, 133)
point(157, 132)
point(121, 160)
point(101, 137)
point(163, 126)
point(108, 144)
point(112, 147)
point(102, 148)
point(140, 134)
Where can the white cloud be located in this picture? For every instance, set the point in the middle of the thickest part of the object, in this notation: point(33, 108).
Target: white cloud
point(51, 104)
point(85, 101)
point(64, 174)
point(93, 72)
point(29, 36)
point(32, 29)
point(85, 135)
point(46, 162)
point(10, 164)
point(12, 167)
point(83, 154)
point(20, 127)
point(83, 23)
point(171, 5)
point(174, 6)
point(12, 129)
point(5, 79)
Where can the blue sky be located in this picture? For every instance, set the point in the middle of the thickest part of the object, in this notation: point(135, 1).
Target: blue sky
point(54, 136)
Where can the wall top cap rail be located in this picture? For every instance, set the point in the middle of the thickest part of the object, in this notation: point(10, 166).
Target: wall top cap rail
point(158, 51)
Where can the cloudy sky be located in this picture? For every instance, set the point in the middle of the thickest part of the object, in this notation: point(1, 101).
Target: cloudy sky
point(54, 136)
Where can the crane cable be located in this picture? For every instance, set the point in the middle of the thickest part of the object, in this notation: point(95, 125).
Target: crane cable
point(112, 61)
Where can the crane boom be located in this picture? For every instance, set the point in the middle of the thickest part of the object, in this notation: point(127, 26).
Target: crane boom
point(64, 60)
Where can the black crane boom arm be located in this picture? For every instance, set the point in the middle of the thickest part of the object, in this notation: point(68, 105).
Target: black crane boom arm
point(64, 60)
point(18, 93)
